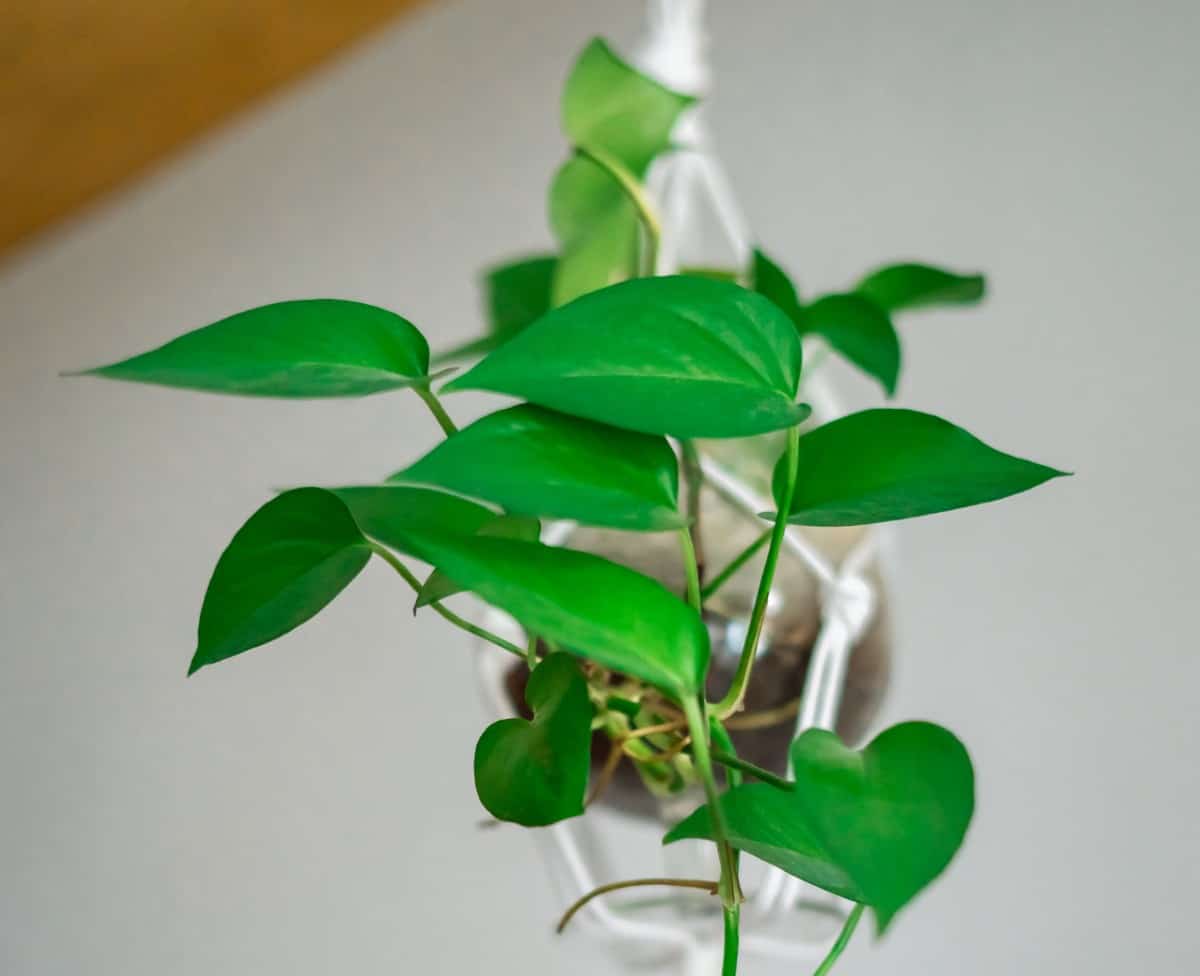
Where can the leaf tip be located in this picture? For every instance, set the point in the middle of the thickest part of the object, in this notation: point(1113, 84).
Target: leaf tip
point(456, 384)
point(1048, 473)
point(883, 919)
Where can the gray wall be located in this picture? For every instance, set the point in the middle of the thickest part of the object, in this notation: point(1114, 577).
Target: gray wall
point(309, 809)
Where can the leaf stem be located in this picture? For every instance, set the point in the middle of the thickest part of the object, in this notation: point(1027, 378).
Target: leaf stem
point(731, 891)
point(741, 679)
point(663, 727)
point(729, 955)
point(735, 564)
point(733, 762)
point(693, 476)
point(407, 575)
point(435, 407)
point(843, 940)
point(764, 719)
point(691, 568)
point(637, 196)
point(722, 746)
point(615, 754)
point(570, 913)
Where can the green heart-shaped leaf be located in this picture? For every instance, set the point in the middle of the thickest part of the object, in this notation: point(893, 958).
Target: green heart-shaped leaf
point(290, 559)
point(685, 356)
point(772, 282)
point(610, 106)
point(439, 586)
point(874, 826)
point(861, 331)
point(906, 286)
point(590, 606)
point(881, 465)
point(408, 519)
point(516, 294)
point(597, 229)
point(319, 348)
point(538, 462)
point(536, 773)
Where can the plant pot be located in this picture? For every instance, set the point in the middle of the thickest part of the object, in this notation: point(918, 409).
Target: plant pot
point(766, 727)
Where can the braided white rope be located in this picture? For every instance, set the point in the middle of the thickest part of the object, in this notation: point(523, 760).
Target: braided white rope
point(674, 46)
point(674, 52)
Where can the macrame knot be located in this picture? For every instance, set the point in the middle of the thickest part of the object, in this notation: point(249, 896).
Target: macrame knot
point(674, 49)
point(851, 599)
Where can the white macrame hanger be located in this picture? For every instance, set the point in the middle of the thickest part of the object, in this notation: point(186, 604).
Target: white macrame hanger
point(674, 51)
point(686, 182)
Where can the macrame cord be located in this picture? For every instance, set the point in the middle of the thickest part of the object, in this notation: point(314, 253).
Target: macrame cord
point(690, 187)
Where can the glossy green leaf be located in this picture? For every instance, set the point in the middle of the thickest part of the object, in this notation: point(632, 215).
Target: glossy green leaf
point(408, 519)
point(290, 559)
point(874, 826)
point(439, 586)
point(881, 465)
point(589, 606)
point(608, 103)
point(319, 348)
point(906, 286)
point(772, 282)
point(610, 106)
point(535, 773)
point(597, 229)
point(688, 357)
point(861, 331)
point(538, 462)
point(518, 293)
point(765, 823)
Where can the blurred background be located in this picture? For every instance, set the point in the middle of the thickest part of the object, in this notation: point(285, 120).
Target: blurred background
point(309, 809)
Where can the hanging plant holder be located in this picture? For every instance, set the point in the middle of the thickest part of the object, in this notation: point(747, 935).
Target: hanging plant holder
point(824, 659)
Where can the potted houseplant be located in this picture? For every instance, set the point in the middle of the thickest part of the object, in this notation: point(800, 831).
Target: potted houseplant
point(627, 383)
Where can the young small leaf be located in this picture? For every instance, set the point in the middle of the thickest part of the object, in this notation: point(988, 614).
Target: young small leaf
point(597, 229)
point(874, 826)
point(439, 586)
point(537, 462)
point(319, 348)
point(772, 282)
point(515, 294)
point(536, 773)
point(861, 331)
point(608, 103)
point(518, 294)
point(590, 606)
point(610, 106)
point(290, 559)
point(688, 357)
point(906, 286)
point(882, 465)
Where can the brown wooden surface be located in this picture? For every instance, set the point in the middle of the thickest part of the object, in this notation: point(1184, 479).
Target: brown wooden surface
point(93, 91)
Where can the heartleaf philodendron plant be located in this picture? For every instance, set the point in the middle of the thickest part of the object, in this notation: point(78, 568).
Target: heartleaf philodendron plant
point(618, 372)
